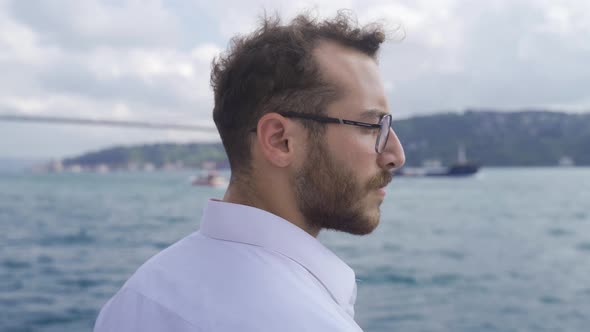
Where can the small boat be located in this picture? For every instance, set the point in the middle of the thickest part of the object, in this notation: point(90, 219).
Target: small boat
point(462, 167)
point(211, 179)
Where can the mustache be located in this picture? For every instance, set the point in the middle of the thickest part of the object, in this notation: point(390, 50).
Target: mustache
point(381, 180)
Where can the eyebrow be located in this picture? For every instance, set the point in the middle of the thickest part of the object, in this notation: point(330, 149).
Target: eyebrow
point(372, 114)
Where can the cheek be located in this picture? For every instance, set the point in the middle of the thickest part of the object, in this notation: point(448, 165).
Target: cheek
point(354, 143)
point(353, 150)
point(357, 155)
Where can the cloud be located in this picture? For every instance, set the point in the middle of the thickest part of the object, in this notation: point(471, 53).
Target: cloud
point(158, 79)
point(150, 60)
point(505, 55)
point(82, 58)
point(92, 23)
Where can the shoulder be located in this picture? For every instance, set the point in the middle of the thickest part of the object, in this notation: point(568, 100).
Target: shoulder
point(217, 285)
point(134, 312)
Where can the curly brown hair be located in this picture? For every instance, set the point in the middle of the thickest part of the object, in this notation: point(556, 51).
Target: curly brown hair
point(273, 70)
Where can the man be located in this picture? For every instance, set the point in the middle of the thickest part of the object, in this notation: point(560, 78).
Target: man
point(304, 119)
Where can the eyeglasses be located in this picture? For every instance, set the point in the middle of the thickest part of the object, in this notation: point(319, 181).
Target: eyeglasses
point(383, 125)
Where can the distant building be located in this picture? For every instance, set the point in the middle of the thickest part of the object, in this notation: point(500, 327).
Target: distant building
point(102, 168)
point(149, 167)
point(54, 166)
point(566, 161)
point(75, 168)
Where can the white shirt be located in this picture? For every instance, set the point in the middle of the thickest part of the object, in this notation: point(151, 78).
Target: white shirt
point(244, 270)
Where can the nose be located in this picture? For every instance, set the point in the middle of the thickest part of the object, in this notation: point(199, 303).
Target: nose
point(393, 156)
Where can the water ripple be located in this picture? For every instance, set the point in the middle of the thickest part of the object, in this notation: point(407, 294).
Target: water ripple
point(584, 246)
point(82, 237)
point(82, 283)
point(549, 299)
point(388, 277)
point(557, 232)
point(454, 255)
point(445, 279)
point(15, 264)
point(51, 318)
point(8, 285)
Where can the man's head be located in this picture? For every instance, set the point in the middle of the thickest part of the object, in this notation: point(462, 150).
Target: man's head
point(272, 70)
point(325, 68)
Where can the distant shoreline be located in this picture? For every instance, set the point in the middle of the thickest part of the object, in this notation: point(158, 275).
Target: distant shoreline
point(489, 138)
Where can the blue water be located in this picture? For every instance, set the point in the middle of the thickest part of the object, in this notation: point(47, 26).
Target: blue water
point(507, 250)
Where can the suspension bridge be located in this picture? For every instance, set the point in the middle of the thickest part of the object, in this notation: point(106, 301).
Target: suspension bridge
point(104, 123)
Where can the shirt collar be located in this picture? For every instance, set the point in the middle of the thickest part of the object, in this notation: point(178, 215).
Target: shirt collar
point(245, 224)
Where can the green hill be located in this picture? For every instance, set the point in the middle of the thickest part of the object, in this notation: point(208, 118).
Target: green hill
point(532, 138)
point(191, 155)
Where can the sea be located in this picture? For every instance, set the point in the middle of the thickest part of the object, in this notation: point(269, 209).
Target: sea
point(505, 250)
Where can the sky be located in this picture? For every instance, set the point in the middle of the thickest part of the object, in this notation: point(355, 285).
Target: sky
point(149, 60)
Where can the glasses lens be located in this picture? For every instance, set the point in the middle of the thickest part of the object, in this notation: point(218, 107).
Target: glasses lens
point(383, 133)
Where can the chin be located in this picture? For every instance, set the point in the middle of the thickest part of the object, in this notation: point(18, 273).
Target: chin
point(373, 220)
point(373, 225)
point(365, 230)
point(367, 225)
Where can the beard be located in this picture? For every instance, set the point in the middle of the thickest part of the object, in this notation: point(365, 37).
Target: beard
point(331, 197)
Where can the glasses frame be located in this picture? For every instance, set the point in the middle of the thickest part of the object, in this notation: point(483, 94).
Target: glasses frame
point(326, 119)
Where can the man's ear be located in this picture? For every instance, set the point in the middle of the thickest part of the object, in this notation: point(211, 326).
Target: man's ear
point(273, 135)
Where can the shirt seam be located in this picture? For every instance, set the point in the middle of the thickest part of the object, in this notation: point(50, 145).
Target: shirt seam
point(165, 308)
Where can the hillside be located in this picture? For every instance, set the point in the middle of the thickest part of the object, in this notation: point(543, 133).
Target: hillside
point(533, 138)
point(161, 155)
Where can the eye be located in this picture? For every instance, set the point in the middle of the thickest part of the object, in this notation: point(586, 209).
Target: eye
point(370, 131)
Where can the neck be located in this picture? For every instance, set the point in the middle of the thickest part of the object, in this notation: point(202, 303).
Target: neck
point(272, 193)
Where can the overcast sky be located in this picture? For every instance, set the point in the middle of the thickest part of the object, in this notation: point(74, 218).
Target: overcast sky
point(150, 61)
